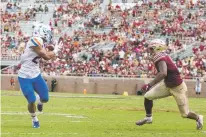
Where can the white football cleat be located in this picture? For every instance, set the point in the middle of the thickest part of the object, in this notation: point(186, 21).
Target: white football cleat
point(146, 120)
point(200, 122)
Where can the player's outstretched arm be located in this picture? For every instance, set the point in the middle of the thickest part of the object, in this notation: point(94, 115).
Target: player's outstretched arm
point(161, 74)
point(47, 55)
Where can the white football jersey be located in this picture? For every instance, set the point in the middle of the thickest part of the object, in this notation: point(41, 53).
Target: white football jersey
point(30, 59)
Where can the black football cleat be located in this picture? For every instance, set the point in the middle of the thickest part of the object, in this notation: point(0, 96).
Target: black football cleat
point(40, 107)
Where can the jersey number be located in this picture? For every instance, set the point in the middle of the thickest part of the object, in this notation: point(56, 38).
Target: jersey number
point(36, 59)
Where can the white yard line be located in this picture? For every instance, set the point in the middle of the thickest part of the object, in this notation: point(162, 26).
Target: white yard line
point(65, 96)
point(102, 97)
point(17, 120)
point(48, 114)
point(76, 121)
point(35, 133)
point(58, 133)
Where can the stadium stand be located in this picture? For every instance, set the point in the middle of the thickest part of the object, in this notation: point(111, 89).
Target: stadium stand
point(111, 41)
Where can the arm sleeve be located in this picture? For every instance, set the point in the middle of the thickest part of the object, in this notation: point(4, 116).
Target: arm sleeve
point(35, 41)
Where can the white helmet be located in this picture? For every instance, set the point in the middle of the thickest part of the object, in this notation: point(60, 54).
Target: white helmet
point(43, 31)
point(157, 45)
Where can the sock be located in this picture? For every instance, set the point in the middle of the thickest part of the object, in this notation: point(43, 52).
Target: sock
point(148, 104)
point(192, 115)
point(34, 117)
point(38, 99)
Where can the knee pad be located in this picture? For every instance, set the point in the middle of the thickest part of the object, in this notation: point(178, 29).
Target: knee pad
point(147, 96)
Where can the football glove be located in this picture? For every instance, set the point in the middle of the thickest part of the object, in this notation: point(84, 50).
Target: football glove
point(145, 88)
point(58, 47)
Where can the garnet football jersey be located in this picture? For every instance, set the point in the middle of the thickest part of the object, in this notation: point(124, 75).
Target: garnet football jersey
point(173, 77)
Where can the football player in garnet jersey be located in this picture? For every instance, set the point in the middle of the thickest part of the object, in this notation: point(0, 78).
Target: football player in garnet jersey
point(167, 82)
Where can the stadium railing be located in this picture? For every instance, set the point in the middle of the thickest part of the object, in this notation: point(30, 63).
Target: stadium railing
point(10, 58)
point(108, 75)
point(143, 75)
point(14, 70)
point(10, 70)
point(51, 1)
point(182, 53)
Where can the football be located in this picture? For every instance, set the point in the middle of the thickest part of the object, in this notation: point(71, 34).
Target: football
point(50, 47)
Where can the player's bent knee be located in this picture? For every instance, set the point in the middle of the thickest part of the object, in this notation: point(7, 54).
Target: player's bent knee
point(184, 115)
point(147, 96)
point(44, 100)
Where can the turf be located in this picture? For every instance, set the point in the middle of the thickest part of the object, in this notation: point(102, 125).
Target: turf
point(78, 115)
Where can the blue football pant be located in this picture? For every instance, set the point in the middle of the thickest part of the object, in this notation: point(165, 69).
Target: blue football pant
point(38, 84)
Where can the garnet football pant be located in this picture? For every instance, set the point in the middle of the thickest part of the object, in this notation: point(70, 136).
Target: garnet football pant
point(179, 93)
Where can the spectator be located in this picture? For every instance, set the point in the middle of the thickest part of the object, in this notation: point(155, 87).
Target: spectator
point(53, 84)
point(46, 9)
point(9, 5)
point(40, 8)
point(198, 86)
point(12, 82)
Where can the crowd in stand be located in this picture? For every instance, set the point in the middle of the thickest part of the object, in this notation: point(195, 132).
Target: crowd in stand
point(13, 40)
point(68, 13)
point(12, 15)
point(12, 37)
point(129, 32)
point(12, 46)
point(15, 11)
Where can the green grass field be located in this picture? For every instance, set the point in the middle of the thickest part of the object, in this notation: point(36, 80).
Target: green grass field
point(78, 115)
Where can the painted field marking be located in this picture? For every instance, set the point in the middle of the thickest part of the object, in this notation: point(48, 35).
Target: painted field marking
point(35, 133)
point(58, 133)
point(63, 96)
point(76, 121)
point(48, 114)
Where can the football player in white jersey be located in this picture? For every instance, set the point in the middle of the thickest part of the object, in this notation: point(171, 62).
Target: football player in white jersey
point(29, 75)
